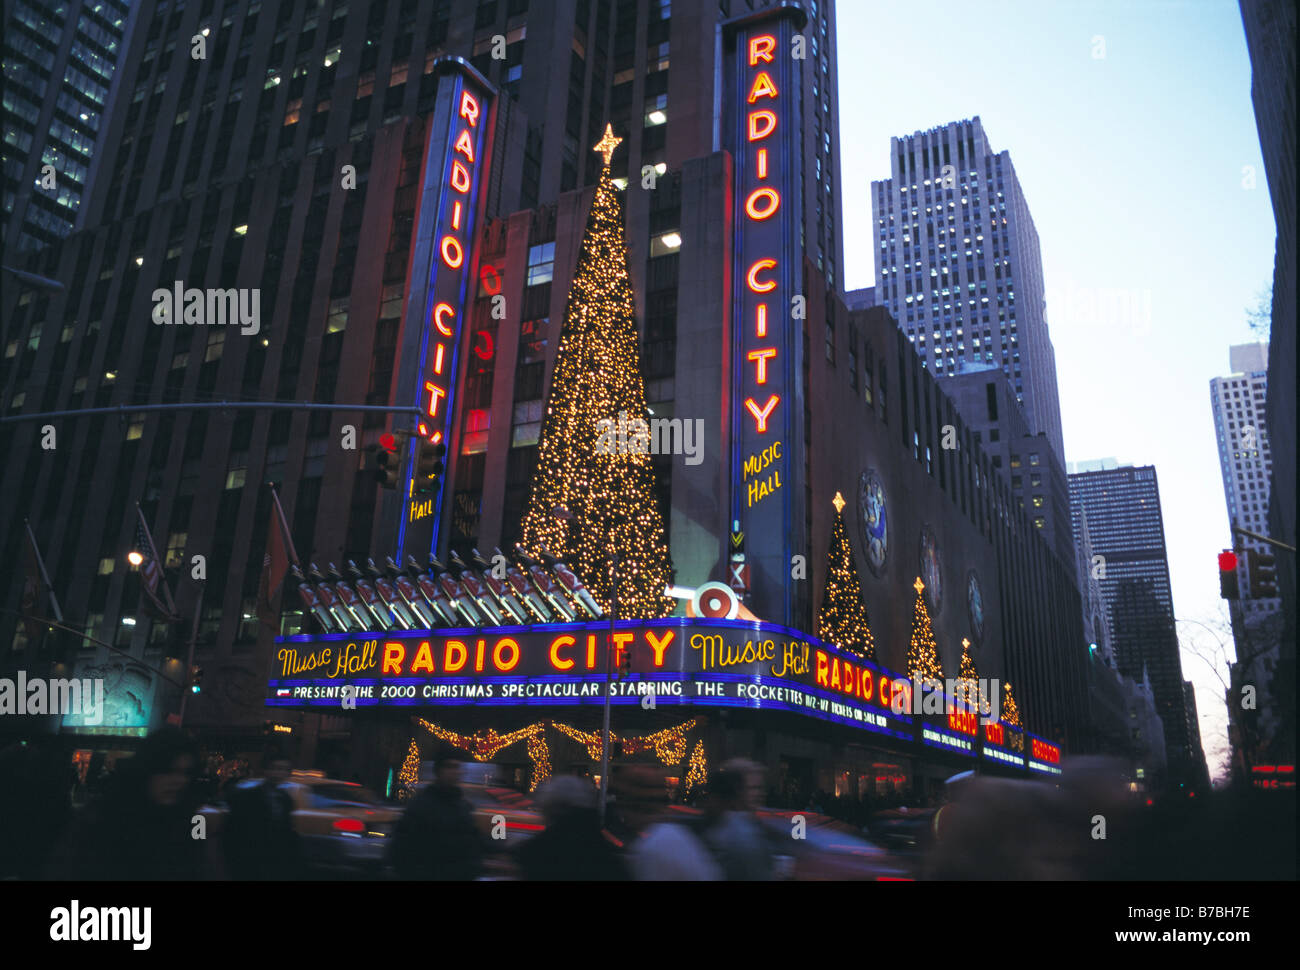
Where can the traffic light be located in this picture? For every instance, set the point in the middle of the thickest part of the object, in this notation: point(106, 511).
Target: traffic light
point(625, 665)
point(428, 467)
point(1263, 575)
point(387, 460)
point(1228, 575)
point(196, 679)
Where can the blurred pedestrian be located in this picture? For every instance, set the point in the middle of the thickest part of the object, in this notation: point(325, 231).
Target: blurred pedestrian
point(142, 828)
point(436, 837)
point(260, 840)
point(740, 843)
point(658, 849)
point(572, 846)
point(35, 800)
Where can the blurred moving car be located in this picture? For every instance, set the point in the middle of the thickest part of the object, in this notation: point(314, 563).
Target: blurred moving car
point(907, 832)
point(489, 798)
point(343, 826)
point(828, 849)
point(831, 849)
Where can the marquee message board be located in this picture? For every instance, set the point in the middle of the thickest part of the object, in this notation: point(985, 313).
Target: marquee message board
point(715, 663)
point(761, 129)
point(443, 262)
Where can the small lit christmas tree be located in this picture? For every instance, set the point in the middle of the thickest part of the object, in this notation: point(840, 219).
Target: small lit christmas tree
point(593, 460)
point(409, 776)
point(969, 688)
point(1010, 712)
point(842, 619)
point(922, 653)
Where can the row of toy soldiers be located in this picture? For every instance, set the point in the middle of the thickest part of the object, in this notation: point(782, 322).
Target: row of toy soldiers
point(437, 595)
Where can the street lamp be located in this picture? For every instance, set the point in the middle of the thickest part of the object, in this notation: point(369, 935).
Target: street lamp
point(564, 515)
point(134, 557)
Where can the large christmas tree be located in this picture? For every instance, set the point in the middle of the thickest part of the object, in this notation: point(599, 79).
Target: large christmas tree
point(842, 619)
point(593, 463)
point(1010, 712)
point(968, 685)
point(922, 653)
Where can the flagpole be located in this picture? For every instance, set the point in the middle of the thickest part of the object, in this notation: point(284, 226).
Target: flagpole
point(40, 563)
point(189, 660)
point(284, 528)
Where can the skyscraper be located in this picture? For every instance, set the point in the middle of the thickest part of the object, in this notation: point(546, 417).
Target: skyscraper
point(59, 64)
point(1122, 505)
point(1246, 462)
point(1245, 455)
point(958, 264)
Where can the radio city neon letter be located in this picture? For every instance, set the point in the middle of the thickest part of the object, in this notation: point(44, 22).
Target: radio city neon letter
point(469, 108)
point(768, 120)
point(766, 286)
point(759, 357)
point(752, 204)
point(435, 394)
point(761, 414)
point(760, 49)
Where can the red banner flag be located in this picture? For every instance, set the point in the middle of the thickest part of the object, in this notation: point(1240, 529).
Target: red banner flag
point(275, 566)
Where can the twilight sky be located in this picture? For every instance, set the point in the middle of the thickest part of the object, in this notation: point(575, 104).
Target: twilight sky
point(1135, 169)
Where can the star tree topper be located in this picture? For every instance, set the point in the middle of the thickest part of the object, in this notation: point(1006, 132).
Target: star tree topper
point(607, 144)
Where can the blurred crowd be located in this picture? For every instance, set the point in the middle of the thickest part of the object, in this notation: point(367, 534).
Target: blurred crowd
point(142, 820)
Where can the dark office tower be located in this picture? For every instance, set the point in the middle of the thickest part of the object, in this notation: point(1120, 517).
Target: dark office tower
point(1127, 529)
point(987, 400)
point(59, 67)
point(958, 264)
point(1271, 38)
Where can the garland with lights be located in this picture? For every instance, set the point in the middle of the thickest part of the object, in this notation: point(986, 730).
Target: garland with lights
point(540, 755)
point(842, 619)
point(409, 776)
point(922, 653)
point(486, 745)
point(596, 390)
point(669, 745)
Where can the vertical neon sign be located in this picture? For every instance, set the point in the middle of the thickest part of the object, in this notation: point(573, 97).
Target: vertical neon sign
point(762, 129)
point(444, 261)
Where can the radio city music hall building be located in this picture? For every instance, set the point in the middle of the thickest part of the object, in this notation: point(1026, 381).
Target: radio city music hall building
point(385, 293)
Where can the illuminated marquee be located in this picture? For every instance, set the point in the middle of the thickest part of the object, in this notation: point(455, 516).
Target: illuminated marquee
point(443, 267)
point(717, 663)
point(762, 104)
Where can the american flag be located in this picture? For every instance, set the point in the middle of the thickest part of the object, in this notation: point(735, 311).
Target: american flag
point(157, 598)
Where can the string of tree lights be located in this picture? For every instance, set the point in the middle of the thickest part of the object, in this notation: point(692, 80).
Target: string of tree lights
point(409, 776)
point(842, 619)
point(922, 652)
point(609, 494)
point(697, 771)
